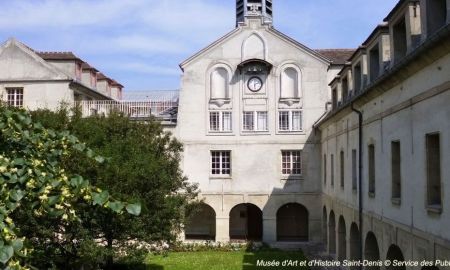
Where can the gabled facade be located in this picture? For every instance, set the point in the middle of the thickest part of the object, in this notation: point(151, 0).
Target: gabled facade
point(36, 80)
point(247, 107)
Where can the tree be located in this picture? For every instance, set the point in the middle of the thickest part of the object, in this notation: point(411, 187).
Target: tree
point(142, 164)
point(33, 179)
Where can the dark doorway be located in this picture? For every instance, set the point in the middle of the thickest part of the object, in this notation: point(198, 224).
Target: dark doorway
point(395, 253)
point(246, 222)
point(292, 223)
point(201, 224)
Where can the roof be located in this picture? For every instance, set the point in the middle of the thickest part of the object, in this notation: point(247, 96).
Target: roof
point(397, 7)
point(58, 56)
point(381, 28)
point(116, 83)
point(86, 66)
point(153, 95)
point(337, 56)
point(101, 76)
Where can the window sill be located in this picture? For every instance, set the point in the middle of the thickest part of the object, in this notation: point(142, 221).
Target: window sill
point(220, 133)
point(434, 209)
point(246, 132)
point(371, 194)
point(396, 201)
point(289, 101)
point(220, 177)
point(292, 177)
point(219, 101)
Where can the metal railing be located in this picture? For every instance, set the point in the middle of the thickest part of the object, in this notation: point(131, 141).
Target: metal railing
point(162, 110)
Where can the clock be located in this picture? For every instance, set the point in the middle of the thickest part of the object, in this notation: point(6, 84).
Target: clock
point(254, 84)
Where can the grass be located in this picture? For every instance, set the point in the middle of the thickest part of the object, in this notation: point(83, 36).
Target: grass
point(222, 260)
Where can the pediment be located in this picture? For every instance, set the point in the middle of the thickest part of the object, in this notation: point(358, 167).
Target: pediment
point(20, 63)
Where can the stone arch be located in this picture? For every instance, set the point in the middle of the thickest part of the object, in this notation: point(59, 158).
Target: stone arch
point(395, 253)
point(332, 233)
point(355, 251)
point(254, 47)
point(292, 222)
point(371, 250)
point(246, 222)
point(324, 225)
point(219, 83)
point(342, 239)
point(201, 224)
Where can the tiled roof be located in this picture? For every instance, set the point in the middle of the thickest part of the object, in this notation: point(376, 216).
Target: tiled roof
point(86, 66)
point(116, 83)
point(58, 56)
point(337, 56)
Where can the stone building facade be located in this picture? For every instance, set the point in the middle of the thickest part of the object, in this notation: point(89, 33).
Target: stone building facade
point(247, 106)
point(271, 132)
point(398, 80)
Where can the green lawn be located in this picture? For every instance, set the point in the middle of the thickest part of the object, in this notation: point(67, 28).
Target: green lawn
point(218, 260)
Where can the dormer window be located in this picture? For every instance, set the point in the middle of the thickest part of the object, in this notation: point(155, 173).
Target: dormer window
point(374, 58)
point(357, 77)
point(93, 79)
point(78, 71)
point(436, 15)
point(334, 97)
point(344, 89)
point(399, 38)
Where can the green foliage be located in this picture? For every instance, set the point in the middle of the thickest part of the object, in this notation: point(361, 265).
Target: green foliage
point(35, 182)
point(141, 165)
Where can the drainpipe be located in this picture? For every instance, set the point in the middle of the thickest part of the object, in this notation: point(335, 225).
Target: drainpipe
point(360, 197)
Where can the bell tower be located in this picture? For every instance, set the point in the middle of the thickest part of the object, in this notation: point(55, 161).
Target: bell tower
point(253, 8)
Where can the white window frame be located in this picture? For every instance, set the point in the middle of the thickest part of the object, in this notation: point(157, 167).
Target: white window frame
point(291, 163)
point(255, 126)
point(221, 123)
point(16, 93)
point(290, 127)
point(222, 154)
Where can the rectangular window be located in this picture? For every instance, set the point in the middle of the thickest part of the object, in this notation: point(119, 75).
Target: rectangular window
point(220, 162)
point(255, 121)
point(332, 170)
point(291, 162)
point(374, 55)
point(433, 161)
point(436, 15)
point(14, 97)
point(342, 169)
point(395, 170)
point(324, 169)
point(371, 168)
point(354, 170)
point(399, 36)
point(357, 73)
point(290, 120)
point(261, 123)
point(220, 122)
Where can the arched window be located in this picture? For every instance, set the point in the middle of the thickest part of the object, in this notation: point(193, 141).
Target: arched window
point(219, 84)
point(289, 83)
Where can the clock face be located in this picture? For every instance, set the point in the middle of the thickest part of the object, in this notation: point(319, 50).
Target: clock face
point(254, 84)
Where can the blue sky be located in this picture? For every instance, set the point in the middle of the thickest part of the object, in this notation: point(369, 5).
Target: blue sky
point(141, 42)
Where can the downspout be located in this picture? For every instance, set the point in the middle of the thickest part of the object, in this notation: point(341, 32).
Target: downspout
point(360, 197)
